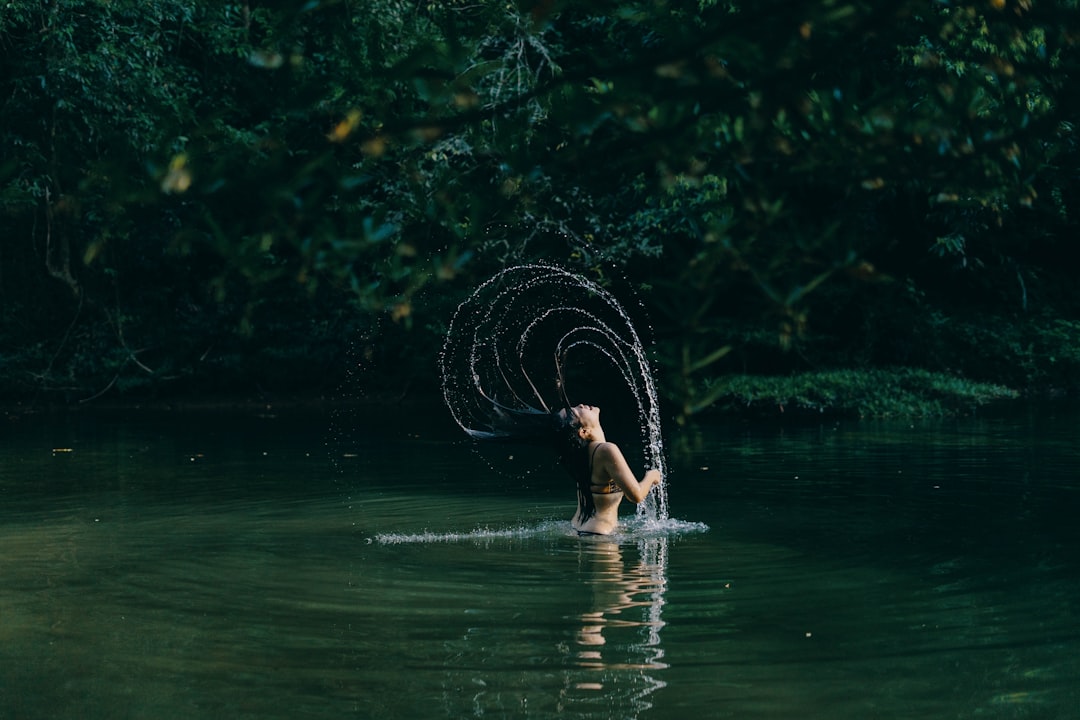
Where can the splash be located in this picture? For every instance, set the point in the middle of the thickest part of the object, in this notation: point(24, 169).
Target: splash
point(651, 537)
point(479, 535)
point(509, 343)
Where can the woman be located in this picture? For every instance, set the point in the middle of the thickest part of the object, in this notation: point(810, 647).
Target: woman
point(602, 475)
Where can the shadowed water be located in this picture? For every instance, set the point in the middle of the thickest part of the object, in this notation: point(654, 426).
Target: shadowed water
point(199, 565)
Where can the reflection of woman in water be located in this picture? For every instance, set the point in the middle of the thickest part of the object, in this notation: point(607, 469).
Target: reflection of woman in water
point(601, 472)
point(617, 658)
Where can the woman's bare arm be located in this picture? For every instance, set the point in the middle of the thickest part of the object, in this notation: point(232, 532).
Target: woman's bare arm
point(615, 465)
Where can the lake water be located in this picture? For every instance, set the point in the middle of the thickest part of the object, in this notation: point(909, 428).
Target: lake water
point(319, 565)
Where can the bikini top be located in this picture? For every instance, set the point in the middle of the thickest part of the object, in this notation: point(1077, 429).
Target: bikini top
point(607, 489)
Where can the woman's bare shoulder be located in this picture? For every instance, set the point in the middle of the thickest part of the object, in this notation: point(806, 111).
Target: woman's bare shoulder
point(609, 450)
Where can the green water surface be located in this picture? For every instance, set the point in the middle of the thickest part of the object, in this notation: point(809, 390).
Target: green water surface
point(334, 565)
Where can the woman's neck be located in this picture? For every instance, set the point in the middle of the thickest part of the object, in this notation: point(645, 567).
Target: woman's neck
point(594, 435)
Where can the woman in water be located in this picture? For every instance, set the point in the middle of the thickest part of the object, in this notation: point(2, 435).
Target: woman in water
point(601, 472)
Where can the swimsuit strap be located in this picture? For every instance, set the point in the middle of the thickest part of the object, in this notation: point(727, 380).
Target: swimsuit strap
point(592, 457)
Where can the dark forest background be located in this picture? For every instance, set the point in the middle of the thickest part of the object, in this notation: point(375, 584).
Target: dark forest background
point(862, 207)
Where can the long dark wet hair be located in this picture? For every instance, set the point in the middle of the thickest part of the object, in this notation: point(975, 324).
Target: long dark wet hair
point(558, 430)
point(573, 452)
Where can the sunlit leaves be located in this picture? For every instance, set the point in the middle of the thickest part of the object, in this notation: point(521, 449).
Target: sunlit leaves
point(177, 178)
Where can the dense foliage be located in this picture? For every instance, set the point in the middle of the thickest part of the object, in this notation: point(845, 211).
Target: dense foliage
point(202, 196)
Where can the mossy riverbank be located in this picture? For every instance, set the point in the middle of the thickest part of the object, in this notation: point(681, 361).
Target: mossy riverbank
point(899, 392)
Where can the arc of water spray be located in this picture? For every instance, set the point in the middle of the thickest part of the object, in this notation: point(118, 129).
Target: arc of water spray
point(525, 299)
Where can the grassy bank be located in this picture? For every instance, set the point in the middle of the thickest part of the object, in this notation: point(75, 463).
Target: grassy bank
point(899, 392)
